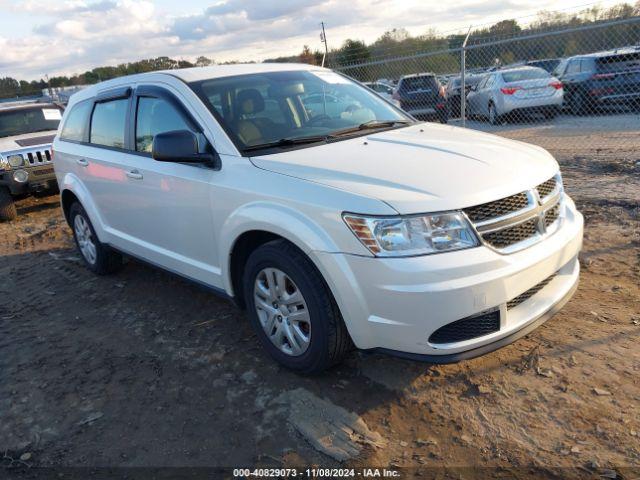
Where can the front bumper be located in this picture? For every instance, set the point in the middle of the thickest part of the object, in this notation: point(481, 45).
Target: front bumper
point(40, 179)
point(396, 304)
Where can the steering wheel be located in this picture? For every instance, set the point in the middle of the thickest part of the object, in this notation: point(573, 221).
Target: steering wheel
point(318, 119)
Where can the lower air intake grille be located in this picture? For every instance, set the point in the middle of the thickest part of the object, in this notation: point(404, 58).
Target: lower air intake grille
point(467, 328)
point(523, 297)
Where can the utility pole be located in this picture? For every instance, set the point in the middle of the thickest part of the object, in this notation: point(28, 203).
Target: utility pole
point(323, 39)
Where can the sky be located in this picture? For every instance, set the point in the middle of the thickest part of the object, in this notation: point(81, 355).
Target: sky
point(54, 37)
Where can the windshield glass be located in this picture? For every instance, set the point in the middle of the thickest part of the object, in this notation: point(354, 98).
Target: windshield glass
point(524, 74)
point(29, 120)
point(263, 108)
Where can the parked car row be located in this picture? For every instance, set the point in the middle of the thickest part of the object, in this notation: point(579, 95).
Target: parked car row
point(580, 84)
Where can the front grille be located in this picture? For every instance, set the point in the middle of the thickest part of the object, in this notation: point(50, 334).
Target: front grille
point(498, 208)
point(38, 157)
point(467, 328)
point(551, 215)
point(512, 235)
point(545, 189)
point(508, 223)
point(523, 297)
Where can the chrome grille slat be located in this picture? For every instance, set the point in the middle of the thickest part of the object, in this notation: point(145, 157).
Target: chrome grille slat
point(516, 222)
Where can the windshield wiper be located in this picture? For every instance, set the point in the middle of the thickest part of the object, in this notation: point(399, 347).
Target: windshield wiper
point(371, 125)
point(286, 142)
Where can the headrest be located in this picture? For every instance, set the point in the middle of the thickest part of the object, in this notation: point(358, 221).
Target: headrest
point(249, 101)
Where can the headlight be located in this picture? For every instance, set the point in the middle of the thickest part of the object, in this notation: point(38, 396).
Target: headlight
point(15, 160)
point(20, 176)
point(413, 235)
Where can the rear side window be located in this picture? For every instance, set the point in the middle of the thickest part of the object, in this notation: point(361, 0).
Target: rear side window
point(107, 123)
point(75, 125)
point(154, 116)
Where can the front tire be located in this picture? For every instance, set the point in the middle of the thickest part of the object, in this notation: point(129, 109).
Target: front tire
point(292, 310)
point(7, 207)
point(98, 257)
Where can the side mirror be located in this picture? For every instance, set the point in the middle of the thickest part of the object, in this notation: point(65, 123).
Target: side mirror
point(180, 146)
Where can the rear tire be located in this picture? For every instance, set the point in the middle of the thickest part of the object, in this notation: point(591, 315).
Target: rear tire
point(328, 339)
point(494, 118)
point(7, 206)
point(578, 104)
point(98, 257)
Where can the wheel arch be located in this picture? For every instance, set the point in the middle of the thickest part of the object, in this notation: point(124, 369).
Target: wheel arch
point(256, 224)
point(73, 190)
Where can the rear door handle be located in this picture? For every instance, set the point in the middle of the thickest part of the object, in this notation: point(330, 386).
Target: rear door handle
point(134, 174)
point(82, 162)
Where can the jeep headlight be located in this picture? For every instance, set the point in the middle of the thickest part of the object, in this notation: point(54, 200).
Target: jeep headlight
point(15, 160)
point(403, 236)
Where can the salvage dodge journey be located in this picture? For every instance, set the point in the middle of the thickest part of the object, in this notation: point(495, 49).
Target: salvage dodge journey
point(344, 224)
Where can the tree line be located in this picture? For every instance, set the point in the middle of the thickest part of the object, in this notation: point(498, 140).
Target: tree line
point(395, 49)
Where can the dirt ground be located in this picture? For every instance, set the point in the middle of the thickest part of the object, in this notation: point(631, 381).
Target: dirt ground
point(145, 369)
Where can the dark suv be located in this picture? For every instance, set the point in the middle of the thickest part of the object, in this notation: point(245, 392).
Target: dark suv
point(422, 96)
point(602, 79)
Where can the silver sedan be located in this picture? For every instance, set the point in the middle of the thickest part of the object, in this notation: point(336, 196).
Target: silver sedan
point(517, 91)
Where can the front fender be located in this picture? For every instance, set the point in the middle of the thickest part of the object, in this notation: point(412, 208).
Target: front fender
point(274, 218)
point(73, 184)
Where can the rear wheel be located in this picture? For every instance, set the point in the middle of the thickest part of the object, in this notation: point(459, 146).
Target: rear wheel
point(98, 257)
point(578, 104)
point(494, 118)
point(7, 207)
point(292, 309)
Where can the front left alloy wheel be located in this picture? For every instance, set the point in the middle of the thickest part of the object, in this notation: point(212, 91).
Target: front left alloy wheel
point(292, 309)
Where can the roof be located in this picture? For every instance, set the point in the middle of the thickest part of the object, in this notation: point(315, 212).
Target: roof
point(19, 105)
point(216, 71)
point(518, 69)
point(608, 53)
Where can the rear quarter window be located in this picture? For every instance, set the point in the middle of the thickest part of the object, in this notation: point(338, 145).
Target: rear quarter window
point(75, 125)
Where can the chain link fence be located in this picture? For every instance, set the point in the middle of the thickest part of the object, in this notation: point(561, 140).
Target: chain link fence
point(575, 89)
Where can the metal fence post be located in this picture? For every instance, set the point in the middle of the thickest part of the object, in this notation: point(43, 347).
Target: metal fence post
point(463, 90)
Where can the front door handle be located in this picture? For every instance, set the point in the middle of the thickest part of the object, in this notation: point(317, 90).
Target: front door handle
point(134, 174)
point(82, 162)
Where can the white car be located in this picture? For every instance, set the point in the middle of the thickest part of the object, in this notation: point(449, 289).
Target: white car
point(384, 90)
point(362, 227)
point(518, 92)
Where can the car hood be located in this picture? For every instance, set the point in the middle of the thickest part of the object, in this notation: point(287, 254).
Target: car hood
point(420, 168)
point(28, 140)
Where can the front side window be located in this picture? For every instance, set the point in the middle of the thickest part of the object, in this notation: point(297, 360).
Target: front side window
point(573, 67)
point(76, 122)
point(107, 123)
point(263, 108)
point(155, 115)
point(24, 120)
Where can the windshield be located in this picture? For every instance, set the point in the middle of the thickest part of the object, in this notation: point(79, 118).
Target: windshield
point(29, 120)
point(264, 108)
point(524, 74)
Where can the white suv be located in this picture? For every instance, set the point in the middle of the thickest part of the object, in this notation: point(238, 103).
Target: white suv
point(351, 224)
